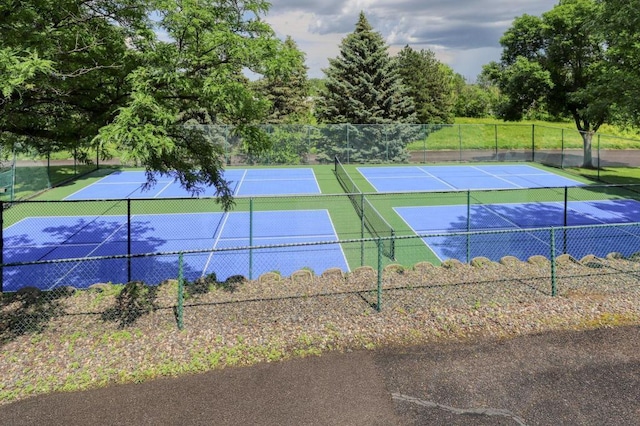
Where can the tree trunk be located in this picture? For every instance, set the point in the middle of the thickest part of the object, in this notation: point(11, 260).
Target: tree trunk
point(587, 161)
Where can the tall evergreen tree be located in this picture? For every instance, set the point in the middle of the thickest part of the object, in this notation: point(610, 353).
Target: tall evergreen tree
point(364, 90)
point(288, 92)
point(429, 84)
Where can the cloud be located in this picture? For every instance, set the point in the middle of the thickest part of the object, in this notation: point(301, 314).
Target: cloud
point(464, 33)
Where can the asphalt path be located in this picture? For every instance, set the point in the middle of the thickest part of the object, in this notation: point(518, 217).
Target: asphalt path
point(585, 378)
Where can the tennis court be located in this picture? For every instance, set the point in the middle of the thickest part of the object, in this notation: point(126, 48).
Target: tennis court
point(244, 182)
point(599, 241)
point(65, 237)
point(447, 178)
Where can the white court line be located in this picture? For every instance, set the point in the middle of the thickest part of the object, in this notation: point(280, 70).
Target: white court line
point(221, 226)
point(437, 178)
point(162, 190)
point(237, 190)
point(497, 177)
point(278, 179)
point(294, 237)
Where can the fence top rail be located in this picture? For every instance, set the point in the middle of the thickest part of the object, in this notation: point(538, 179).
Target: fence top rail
point(328, 242)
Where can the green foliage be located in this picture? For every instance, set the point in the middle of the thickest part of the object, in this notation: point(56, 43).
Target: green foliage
point(428, 83)
point(474, 100)
point(288, 93)
point(556, 61)
point(619, 23)
point(18, 70)
point(366, 143)
point(93, 73)
point(363, 87)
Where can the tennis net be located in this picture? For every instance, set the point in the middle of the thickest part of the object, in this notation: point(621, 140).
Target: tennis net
point(371, 219)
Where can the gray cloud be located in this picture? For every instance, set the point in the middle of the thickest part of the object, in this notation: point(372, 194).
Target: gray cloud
point(466, 24)
point(453, 27)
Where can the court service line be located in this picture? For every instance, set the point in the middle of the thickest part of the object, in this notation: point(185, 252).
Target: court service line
point(497, 177)
point(437, 178)
point(162, 190)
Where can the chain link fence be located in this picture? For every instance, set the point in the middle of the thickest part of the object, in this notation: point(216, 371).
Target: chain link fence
point(25, 171)
point(565, 260)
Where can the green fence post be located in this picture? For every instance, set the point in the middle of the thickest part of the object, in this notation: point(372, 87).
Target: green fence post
point(180, 304)
point(495, 133)
point(468, 225)
point(13, 176)
point(598, 168)
point(460, 142)
point(386, 143)
point(49, 167)
point(379, 295)
point(553, 262)
point(1, 246)
point(533, 143)
point(348, 150)
point(566, 219)
point(362, 230)
point(424, 143)
point(128, 239)
point(251, 238)
point(562, 148)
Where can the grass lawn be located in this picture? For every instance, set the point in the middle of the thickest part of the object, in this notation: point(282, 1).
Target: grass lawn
point(468, 133)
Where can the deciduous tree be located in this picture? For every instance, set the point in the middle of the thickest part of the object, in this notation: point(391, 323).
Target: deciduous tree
point(557, 60)
point(129, 74)
point(429, 84)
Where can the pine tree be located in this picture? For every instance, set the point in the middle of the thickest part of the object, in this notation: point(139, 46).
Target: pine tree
point(429, 84)
point(288, 93)
point(364, 91)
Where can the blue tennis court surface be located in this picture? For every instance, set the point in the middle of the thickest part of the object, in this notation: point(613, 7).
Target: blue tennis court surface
point(50, 238)
point(448, 178)
point(578, 242)
point(244, 182)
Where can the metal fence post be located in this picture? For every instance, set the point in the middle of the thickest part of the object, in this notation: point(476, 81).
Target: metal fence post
point(495, 132)
point(460, 141)
point(379, 295)
point(180, 304)
point(533, 143)
point(424, 143)
point(251, 238)
point(1, 246)
point(566, 219)
point(362, 230)
point(598, 168)
point(468, 225)
point(128, 239)
point(562, 149)
point(348, 149)
point(553, 262)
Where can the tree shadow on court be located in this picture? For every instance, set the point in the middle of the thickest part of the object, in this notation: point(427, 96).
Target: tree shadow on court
point(524, 230)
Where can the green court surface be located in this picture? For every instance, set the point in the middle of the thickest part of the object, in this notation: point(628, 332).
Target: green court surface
point(347, 222)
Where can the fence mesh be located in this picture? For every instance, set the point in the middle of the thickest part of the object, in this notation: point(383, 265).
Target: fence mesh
point(371, 219)
point(520, 270)
point(33, 171)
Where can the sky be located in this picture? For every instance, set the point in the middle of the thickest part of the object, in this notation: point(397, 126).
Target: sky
point(464, 34)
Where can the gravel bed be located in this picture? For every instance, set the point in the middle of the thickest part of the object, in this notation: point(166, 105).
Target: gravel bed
point(70, 340)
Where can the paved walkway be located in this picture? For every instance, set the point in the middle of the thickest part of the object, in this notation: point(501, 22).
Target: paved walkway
point(559, 378)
